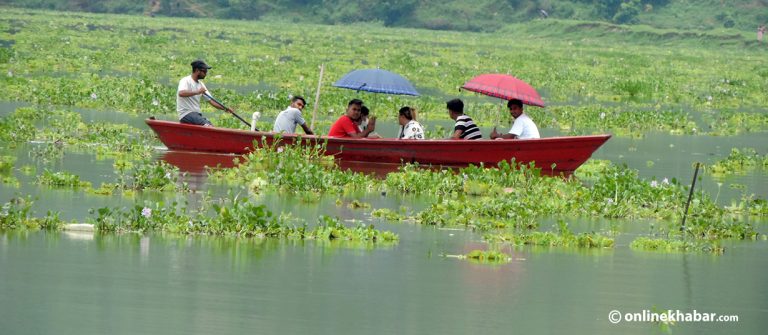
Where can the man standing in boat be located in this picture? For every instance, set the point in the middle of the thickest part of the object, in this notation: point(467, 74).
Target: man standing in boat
point(346, 125)
point(188, 96)
point(465, 128)
point(523, 128)
point(287, 120)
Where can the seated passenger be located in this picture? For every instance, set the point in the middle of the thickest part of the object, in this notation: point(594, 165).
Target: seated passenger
point(363, 123)
point(346, 125)
point(287, 120)
point(465, 128)
point(410, 129)
point(523, 128)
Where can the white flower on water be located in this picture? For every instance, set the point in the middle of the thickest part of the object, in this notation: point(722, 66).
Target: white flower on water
point(94, 96)
point(654, 183)
point(146, 212)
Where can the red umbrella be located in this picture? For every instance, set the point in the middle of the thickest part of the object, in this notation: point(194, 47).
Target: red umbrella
point(505, 87)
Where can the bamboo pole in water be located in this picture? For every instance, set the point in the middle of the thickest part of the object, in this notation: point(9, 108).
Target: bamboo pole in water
point(690, 195)
point(317, 97)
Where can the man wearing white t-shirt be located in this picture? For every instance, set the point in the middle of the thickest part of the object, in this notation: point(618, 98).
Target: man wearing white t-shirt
point(523, 128)
point(287, 120)
point(188, 96)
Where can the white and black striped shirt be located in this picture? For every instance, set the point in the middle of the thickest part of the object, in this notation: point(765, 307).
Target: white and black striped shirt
point(469, 131)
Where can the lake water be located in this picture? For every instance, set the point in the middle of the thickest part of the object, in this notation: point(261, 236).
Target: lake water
point(81, 283)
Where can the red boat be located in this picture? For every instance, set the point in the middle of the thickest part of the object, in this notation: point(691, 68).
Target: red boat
point(566, 153)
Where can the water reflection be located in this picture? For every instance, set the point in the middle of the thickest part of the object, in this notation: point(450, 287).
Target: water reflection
point(183, 284)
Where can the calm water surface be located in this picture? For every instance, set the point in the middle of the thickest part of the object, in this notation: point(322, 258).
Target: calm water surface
point(66, 283)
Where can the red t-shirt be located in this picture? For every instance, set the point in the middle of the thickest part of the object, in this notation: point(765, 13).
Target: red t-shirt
point(343, 127)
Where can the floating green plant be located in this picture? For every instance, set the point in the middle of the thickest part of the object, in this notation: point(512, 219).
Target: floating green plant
point(6, 164)
point(17, 214)
point(355, 204)
point(563, 238)
point(61, 179)
point(488, 256)
point(670, 245)
point(387, 214)
point(235, 216)
point(739, 161)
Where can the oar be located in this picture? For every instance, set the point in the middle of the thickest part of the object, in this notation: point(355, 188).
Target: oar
point(225, 107)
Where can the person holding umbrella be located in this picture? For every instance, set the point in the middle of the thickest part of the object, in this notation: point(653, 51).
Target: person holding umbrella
point(346, 125)
point(188, 96)
point(523, 128)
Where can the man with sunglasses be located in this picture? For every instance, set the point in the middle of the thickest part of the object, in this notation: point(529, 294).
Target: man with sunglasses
point(188, 96)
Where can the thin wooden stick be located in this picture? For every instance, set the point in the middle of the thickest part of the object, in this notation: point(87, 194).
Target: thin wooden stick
point(317, 97)
point(690, 195)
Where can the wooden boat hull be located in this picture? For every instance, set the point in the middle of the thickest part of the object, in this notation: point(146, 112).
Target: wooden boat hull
point(566, 153)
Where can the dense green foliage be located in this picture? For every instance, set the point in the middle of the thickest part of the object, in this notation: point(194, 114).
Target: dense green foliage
point(481, 15)
point(589, 85)
point(626, 82)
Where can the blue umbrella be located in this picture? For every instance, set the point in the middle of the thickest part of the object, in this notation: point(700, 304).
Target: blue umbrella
point(377, 81)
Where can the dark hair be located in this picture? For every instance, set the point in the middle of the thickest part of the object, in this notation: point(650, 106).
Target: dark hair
point(514, 102)
point(297, 98)
point(355, 102)
point(455, 105)
point(364, 111)
point(408, 113)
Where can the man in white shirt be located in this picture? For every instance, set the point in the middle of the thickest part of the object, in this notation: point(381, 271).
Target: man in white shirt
point(188, 96)
point(287, 120)
point(523, 128)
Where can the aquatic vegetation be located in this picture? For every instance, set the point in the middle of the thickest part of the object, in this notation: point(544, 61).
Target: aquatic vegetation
point(387, 214)
point(263, 68)
point(234, 216)
point(564, 237)
point(488, 256)
point(355, 204)
point(332, 229)
point(670, 245)
point(294, 168)
point(739, 161)
point(6, 164)
point(16, 214)
point(158, 175)
point(550, 239)
point(61, 179)
point(748, 204)
point(18, 127)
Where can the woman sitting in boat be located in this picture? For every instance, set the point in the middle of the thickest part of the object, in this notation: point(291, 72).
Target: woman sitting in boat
point(523, 128)
point(410, 129)
point(346, 125)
